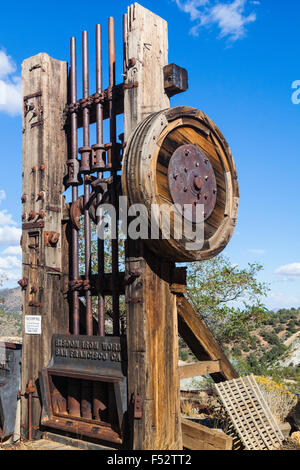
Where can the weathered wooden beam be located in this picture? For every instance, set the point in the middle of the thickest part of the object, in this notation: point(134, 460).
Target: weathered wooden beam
point(201, 341)
point(199, 368)
point(46, 267)
point(198, 437)
point(152, 334)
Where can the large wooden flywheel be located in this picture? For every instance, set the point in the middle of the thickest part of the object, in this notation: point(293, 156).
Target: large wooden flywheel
point(178, 157)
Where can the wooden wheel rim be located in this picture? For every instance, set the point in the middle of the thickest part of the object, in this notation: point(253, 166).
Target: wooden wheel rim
point(142, 184)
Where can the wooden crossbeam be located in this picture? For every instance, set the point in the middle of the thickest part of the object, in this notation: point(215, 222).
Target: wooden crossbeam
point(201, 341)
point(198, 437)
point(199, 368)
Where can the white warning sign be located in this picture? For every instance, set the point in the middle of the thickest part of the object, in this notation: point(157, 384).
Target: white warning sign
point(33, 324)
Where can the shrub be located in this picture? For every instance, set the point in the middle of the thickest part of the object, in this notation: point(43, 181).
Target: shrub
point(277, 396)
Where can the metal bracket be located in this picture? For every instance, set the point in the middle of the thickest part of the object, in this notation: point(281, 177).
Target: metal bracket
point(138, 300)
point(138, 405)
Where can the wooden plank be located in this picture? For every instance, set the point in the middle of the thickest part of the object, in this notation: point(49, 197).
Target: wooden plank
point(44, 156)
point(198, 369)
point(201, 341)
point(152, 334)
point(198, 437)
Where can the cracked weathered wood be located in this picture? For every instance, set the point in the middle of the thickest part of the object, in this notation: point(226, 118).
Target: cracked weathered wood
point(151, 324)
point(44, 156)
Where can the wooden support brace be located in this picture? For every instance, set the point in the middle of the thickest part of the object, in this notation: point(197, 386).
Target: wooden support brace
point(201, 341)
point(199, 368)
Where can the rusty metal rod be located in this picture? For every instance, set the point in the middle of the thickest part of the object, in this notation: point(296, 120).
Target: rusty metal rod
point(125, 45)
point(87, 150)
point(99, 124)
point(115, 163)
point(74, 154)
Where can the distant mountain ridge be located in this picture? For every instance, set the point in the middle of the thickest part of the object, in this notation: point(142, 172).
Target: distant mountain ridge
point(11, 301)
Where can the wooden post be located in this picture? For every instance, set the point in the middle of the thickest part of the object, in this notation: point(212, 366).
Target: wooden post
point(44, 235)
point(152, 333)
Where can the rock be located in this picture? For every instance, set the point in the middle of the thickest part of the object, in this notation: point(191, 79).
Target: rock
point(294, 417)
point(296, 437)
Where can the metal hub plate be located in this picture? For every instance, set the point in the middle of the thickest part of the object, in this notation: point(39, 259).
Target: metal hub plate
point(192, 181)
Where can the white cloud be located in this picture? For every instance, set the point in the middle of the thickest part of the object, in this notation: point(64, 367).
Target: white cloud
point(14, 275)
point(257, 251)
point(10, 86)
point(10, 235)
point(2, 195)
point(292, 270)
point(230, 17)
point(6, 218)
point(13, 250)
point(282, 300)
point(10, 262)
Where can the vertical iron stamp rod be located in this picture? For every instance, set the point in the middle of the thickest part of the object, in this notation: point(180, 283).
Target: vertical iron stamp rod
point(99, 123)
point(73, 388)
point(115, 164)
point(86, 154)
point(86, 151)
point(74, 155)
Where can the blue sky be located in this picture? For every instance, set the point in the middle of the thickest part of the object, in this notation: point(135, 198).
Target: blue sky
point(242, 58)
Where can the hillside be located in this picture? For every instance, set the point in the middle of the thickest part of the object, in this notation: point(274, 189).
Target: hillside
point(10, 312)
point(11, 300)
point(273, 339)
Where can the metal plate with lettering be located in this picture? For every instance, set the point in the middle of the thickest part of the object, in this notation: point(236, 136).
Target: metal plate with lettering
point(90, 354)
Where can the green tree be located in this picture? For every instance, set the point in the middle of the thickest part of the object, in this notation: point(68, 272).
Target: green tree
point(228, 298)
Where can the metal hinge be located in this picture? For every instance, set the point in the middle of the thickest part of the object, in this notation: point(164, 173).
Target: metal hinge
point(138, 300)
point(128, 86)
point(138, 405)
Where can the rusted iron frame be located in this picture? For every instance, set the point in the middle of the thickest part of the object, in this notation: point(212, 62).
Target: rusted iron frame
point(74, 155)
point(73, 389)
point(99, 124)
point(87, 153)
point(100, 429)
point(115, 165)
point(86, 388)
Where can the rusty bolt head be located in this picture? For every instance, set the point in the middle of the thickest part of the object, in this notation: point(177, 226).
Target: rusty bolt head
point(30, 388)
point(42, 167)
point(198, 183)
point(31, 215)
point(24, 216)
point(34, 289)
point(23, 282)
point(41, 214)
point(131, 62)
point(41, 195)
point(53, 238)
point(23, 198)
